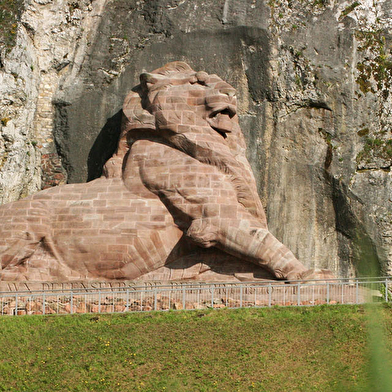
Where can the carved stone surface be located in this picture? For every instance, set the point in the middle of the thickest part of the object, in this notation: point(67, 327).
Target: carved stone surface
point(177, 200)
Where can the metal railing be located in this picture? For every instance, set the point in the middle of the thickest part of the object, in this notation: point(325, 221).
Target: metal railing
point(197, 296)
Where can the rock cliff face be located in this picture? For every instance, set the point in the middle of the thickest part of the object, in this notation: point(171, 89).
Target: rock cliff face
point(313, 80)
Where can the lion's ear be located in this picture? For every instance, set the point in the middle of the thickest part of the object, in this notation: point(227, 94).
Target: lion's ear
point(202, 77)
point(193, 79)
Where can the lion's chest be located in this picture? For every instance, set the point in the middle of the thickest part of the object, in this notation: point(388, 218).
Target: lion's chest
point(163, 168)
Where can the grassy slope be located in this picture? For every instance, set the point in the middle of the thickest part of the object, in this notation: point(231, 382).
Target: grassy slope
point(279, 349)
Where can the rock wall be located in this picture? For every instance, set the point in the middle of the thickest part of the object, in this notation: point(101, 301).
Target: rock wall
point(51, 35)
point(313, 80)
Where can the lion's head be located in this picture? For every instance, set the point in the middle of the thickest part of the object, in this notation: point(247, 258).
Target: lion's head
point(195, 113)
point(180, 98)
point(175, 101)
point(175, 97)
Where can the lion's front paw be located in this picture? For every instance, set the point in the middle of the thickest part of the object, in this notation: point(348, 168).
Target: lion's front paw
point(311, 275)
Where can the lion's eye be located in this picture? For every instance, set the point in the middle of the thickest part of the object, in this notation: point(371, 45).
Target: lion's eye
point(227, 111)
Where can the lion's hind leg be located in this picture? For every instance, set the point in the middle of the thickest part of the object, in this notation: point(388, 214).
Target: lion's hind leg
point(15, 257)
point(25, 241)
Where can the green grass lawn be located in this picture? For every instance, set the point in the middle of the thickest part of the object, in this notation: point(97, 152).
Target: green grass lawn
point(280, 349)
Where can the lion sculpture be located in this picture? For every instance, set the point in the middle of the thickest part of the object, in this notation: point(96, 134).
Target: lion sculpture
point(177, 200)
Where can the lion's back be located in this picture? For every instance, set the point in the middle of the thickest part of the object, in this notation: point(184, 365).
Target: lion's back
point(98, 229)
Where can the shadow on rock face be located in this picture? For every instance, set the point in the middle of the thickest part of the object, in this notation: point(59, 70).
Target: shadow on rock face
point(104, 146)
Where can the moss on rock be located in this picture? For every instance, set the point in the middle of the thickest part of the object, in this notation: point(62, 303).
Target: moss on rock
point(375, 147)
point(10, 11)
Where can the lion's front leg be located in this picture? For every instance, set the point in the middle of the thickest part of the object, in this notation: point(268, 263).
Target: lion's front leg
point(262, 249)
point(205, 205)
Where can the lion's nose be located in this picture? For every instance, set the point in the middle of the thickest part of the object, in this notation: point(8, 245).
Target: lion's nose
point(224, 89)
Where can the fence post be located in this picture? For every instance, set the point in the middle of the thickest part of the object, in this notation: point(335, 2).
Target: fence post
point(254, 288)
point(327, 292)
point(212, 297)
point(356, 292)
point(241, 295)
point(16, 304)
point(313, 301)
point(155, 298)
point(386, 290)
point(99, 301)
point(298, 294)
point(342, 288)
point(269, 295)
point(71, 302)
point(43, 303)
point(183, 297)
point(127, 301)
